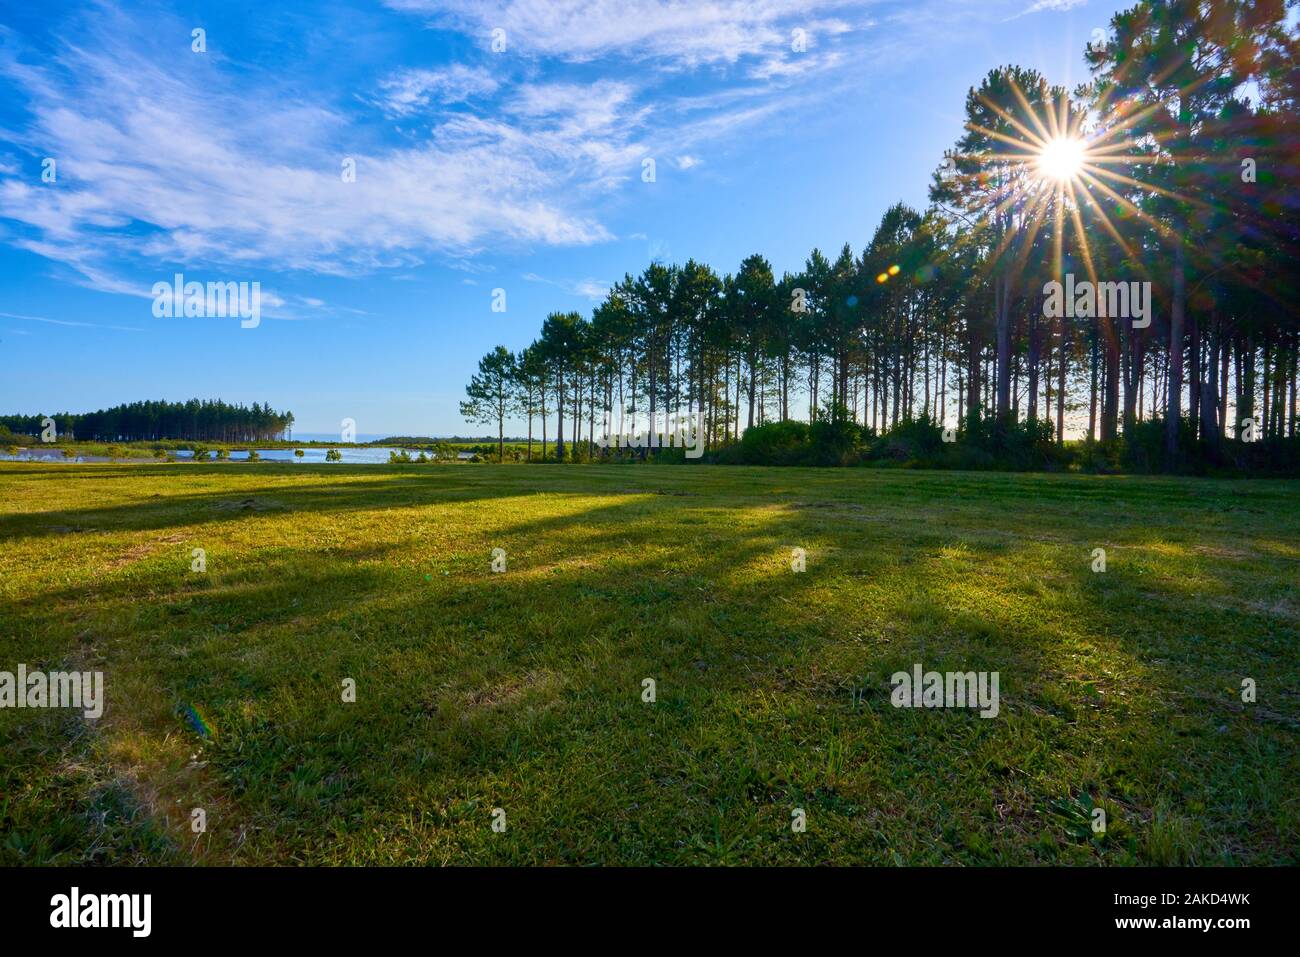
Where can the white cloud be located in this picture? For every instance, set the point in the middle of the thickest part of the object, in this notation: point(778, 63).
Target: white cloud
point(205, 163)
point(407, 92)
point(67, 322)
point(180, 167)
point(593, 289)
point(693, 33)
point(796, 64)
point(1042, 5)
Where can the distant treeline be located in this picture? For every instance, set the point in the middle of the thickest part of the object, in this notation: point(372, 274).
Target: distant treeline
point(211, 420)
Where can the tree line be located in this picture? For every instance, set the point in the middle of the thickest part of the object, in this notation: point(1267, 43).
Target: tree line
point(1187, 180)
point(209, 420)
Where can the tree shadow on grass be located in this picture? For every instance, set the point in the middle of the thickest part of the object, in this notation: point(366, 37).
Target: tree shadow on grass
point(233, 502)
point(523, 690)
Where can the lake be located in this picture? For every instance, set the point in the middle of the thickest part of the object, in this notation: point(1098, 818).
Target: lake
point(366, 455)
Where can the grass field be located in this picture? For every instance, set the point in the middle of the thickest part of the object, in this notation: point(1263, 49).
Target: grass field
point(522, 690)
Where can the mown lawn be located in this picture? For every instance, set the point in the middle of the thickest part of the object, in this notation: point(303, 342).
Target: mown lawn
point(522, 690)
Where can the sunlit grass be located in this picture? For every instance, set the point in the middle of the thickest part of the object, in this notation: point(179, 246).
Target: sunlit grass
point(522, 690)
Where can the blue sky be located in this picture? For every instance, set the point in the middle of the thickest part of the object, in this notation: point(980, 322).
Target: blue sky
point(476, 169)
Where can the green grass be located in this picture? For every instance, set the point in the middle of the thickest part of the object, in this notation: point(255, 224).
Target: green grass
point(522, 690)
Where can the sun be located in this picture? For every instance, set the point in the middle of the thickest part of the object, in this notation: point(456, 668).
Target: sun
point(1060, 172)
point(1061, 159)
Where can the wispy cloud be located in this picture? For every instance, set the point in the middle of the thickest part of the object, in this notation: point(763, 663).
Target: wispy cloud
point(69, 322)
point(1041, 5)
point(178, 166)
point(593, 289)
point(672, 32)
point(204, 162)
point(410, 91)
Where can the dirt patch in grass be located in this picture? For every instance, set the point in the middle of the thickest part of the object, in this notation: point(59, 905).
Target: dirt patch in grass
point(512, 691)
point(142, 551)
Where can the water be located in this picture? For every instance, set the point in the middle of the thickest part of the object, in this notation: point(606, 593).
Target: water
point(364, 455)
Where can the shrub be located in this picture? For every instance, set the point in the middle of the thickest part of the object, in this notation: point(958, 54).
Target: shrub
point(397, 458)
point(1028, 446)
point(833, 439)
point(333, 455)
point(971, 457)
point(223, 454)
point(1144, 451)
point(912, 440)
point(1101, 458)
point(298, 453)
point(254, 455)
point(983, 443)
point(726, 453)
point(1143, 445)
point(776, 443)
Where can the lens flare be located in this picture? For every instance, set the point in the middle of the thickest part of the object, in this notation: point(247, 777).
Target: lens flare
point(1047, 169)
point(198, 721)
point(1061, 159)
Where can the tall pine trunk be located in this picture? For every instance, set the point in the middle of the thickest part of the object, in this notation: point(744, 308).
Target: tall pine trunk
point(1174, 386)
